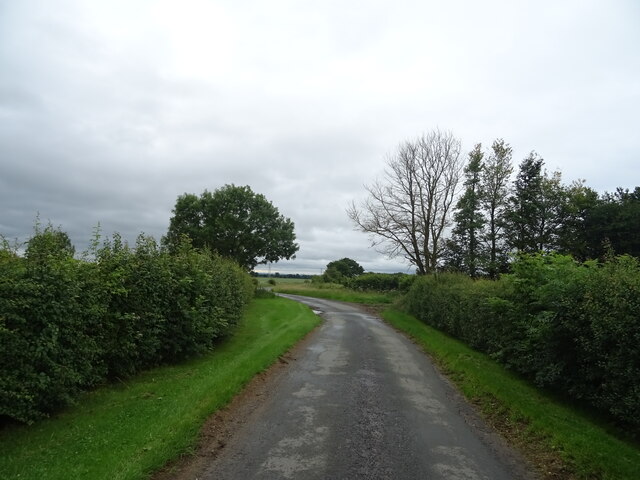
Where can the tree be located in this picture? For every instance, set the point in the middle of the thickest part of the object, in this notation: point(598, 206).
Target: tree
point(406, 214)
point(343, 268)
point(551, 214)
point(469, 218)
point(615, 219)
point(48, 243)
point(537, 206)
point(495, 188)
point(236, 223)
point(524, 205)
point(573, 236)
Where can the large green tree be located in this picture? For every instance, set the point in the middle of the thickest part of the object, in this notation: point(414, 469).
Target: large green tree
point(614, 219)
point(343, 268)
point(525, 205)
point(495, 188)
point(573, 239)
point(236, 223)
point(469, 218)
point(538, 208)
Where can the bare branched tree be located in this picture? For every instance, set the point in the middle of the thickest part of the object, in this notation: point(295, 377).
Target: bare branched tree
point(407, 212)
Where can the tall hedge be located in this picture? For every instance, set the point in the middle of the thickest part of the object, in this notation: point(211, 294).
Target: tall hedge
point(68, 324)
point(380, 282)
point(572, 327)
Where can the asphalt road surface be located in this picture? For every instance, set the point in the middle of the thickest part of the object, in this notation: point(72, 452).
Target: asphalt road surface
point(363, 402)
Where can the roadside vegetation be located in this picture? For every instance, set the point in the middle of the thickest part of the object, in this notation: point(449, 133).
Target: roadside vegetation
point(562, 439)
point(548, 353)
point(542, 276)
point(111, 360)
point(566, 326)
point(68, 325)
point(130, 429)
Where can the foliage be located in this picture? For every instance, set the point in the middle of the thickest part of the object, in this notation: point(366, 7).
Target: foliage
point(569, 326)
point(381, 282)
point(48, 352)
point(129, 430)
point(68, 324)
point(573, 233)
point(497, 171)
point(236, 223)
point(545, 428)
point(466, 252)
point(339, 270)
point(613, 219)
point(525, 205)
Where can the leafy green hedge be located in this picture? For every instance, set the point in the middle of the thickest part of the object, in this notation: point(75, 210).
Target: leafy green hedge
point(572, 327)
point(68, 324)
point(380, 282)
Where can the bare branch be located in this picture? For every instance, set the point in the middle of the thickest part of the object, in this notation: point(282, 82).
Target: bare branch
point(407, 213)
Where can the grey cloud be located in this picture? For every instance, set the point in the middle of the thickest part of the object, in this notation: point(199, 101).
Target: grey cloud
point(109, 111)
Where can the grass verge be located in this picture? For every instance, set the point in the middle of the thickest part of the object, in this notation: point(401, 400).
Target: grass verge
point(562, 440)
point(129, 430)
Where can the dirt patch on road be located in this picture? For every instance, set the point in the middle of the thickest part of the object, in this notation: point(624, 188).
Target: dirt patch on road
point(220, 426)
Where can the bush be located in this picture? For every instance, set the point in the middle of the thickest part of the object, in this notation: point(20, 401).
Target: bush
point(380, 282)
point(48, 350)
point(67, 324)
point(608, 339)
point(565, 325)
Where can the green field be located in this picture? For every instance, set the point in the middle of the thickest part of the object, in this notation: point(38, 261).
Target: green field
point(331, 291)
point(128, 430)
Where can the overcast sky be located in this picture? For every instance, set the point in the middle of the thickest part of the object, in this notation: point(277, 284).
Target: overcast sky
point(109, 110)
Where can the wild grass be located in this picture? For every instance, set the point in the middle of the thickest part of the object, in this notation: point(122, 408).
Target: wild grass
point(127, 431)
point(544, 427)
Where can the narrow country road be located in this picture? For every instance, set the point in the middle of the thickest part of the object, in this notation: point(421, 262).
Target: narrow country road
point(363, 402)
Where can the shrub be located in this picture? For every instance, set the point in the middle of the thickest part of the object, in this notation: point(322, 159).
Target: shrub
point(381, 282)
point(67, 324)
point(573, 327)
point(48, 351)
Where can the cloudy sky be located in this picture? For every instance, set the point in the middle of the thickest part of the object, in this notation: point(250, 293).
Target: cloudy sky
point(111, 109)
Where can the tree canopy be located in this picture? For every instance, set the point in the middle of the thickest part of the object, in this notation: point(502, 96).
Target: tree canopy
point(236, 223)
point(343, 268)
point(415, 210)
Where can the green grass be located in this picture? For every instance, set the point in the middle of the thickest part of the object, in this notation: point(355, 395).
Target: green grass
point(127, 431)
point(333, 291)
point(536, 421)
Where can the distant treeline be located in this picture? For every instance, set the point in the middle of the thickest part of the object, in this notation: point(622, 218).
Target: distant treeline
point(495, 217)
point(281, 275)
point(68, 324)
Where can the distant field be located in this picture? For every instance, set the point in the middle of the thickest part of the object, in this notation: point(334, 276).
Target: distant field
point(264, 281)
point(333, 291)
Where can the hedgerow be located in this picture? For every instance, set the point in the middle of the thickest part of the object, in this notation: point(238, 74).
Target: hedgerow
point(381, 282)
point(568, 326)
point(68, 324)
